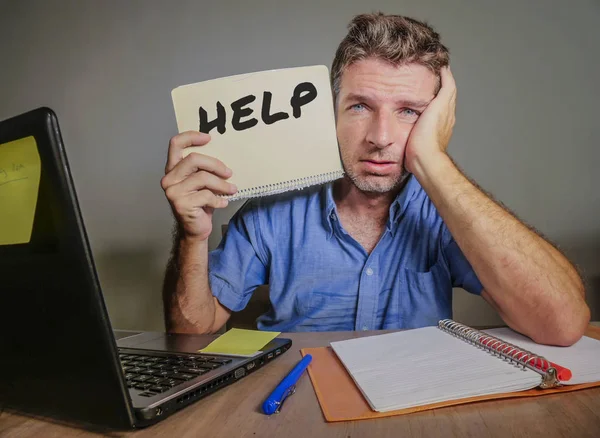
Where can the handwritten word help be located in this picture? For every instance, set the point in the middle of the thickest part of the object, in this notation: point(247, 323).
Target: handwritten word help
point(303, 94)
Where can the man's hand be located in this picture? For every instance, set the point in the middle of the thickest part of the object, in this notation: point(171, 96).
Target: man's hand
point(193, 183)
point(431, 134)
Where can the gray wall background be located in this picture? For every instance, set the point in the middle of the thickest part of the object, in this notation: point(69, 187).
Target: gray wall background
point(527, 119)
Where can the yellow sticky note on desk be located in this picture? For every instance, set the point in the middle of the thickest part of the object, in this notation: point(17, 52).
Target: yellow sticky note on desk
point(240, 342)
point(20, 169)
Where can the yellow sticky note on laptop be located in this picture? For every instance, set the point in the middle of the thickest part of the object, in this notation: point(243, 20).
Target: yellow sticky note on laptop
point(240, 342)
point(20, 169)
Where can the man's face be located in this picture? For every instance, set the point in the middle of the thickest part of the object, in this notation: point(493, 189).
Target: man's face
point(377, 107)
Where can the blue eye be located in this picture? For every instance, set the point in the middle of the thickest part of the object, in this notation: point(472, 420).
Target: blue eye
point(357, 107)
point(409, 114)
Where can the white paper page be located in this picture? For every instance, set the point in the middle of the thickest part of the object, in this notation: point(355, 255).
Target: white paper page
point(423, 366)
point(582, 358)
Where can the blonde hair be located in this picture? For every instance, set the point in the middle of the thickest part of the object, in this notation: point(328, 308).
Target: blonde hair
point(393, 38)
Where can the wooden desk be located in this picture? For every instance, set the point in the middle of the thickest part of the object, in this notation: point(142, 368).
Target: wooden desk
point(235, 412)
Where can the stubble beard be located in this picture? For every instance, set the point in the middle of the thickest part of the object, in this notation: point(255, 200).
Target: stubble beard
point(372, 183)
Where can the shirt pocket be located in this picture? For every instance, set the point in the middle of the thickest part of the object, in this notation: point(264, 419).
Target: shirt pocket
point(425, 297)
point(330, 311)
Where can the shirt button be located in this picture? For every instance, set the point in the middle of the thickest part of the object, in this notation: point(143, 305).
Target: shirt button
point(369, 271)
point(333, 216)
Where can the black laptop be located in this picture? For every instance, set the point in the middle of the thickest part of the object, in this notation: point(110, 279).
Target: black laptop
point(59, 356)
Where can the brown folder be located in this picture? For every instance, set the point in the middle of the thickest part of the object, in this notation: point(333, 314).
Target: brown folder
point(341, 400)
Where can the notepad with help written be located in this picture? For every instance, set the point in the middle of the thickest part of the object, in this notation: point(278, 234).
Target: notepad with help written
point(275, 129)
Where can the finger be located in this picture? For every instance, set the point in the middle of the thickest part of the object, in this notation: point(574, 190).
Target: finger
point(181, 141)
point(206, 198)
point(197, 182)
point(195, 162)
point(188, 206)
point(206, 180)
point(448, 89)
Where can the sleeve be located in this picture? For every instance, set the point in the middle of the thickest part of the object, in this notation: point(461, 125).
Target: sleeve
point(461, 272)
point(235, 268)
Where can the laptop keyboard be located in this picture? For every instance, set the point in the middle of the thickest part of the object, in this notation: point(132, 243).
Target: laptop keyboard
point(156, 374)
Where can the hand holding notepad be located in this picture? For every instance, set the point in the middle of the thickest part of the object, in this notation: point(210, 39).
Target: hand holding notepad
point(274, 129)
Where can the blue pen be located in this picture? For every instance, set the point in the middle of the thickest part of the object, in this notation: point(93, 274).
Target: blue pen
point(286, 388)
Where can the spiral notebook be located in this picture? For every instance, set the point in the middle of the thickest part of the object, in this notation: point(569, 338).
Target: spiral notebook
point(275, 129)
point(433, 367)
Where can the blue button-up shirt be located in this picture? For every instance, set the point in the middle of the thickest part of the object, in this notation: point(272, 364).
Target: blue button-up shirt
point(321, 279)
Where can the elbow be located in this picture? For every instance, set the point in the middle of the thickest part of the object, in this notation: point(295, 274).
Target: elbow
point(574, 322)
point(573, 326)
point(190, 329)
point(568, 337)
point(179, 323)
point(183, 319)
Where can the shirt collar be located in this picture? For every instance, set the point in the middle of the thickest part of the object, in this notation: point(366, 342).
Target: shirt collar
point(329, 210)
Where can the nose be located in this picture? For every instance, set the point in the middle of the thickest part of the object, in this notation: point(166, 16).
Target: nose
point(381, 130)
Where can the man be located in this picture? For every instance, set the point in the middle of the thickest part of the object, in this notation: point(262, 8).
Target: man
point(382, 247)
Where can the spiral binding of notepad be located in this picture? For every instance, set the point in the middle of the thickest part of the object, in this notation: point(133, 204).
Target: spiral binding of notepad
point(284, 186)
point(505, 350)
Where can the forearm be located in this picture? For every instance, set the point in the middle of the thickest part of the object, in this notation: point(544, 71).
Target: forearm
point(532, 285)
point(188, 301)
